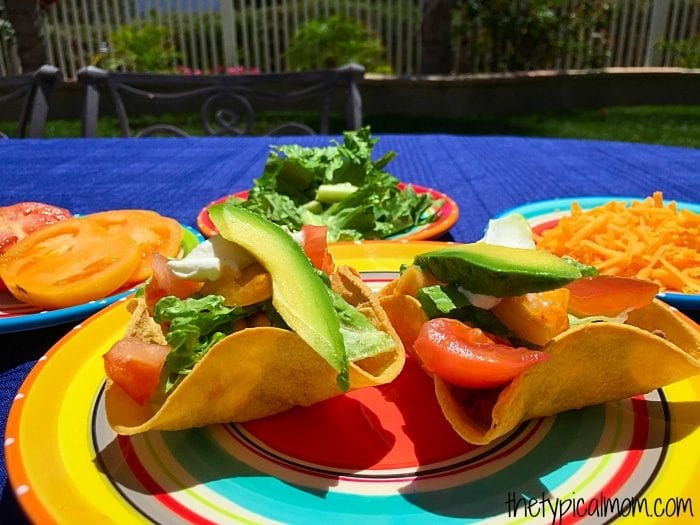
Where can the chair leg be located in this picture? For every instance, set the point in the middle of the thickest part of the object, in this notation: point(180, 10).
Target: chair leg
point(91, 78)
point(37, 107)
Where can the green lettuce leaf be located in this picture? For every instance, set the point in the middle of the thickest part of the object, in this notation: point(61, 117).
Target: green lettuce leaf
point(194, 326)
point(287, 191)
point(448, 301)
point(362, 339)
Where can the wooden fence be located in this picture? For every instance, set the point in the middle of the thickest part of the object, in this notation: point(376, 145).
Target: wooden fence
point(254, 34)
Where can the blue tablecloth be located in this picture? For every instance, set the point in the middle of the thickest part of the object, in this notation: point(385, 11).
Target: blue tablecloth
point(177, 177)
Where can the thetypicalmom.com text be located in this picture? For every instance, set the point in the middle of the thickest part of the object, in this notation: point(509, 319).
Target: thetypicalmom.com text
point(546, 506)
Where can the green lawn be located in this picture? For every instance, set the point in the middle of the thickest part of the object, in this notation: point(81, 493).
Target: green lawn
point(669, 125)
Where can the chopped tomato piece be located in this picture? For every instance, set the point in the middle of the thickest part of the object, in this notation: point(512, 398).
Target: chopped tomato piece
point(535, 317)
point(136, 366)
point(153, 233)
point(68, 263)
point(469, 358)
point(609, 295)
point(316, 247)
point(163, 282)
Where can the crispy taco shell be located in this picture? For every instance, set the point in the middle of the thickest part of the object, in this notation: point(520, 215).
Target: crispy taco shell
point(253, 373)
point(589, 364)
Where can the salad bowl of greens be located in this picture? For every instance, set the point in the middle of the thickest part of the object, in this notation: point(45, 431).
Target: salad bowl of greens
point(342, 187)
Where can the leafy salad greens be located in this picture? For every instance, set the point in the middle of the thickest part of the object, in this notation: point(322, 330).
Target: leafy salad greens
point(341, 186)
point(195, 324)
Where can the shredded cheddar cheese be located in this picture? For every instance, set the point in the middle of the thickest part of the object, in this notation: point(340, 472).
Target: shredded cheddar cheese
point(644, 239)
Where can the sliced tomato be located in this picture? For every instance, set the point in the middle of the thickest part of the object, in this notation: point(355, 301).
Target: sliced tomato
point(153, 233)
point(316, 247)
point(68, 263)
point(19, 220)
point(609, 295)
point(469, 358)
point(136, 366)
point(163, 282)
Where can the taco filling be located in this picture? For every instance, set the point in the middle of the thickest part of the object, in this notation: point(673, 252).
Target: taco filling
point(510, 333)
point(249, 324)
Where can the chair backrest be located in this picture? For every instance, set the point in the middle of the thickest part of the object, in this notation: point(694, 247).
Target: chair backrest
point(227, 104)
point(31, 92)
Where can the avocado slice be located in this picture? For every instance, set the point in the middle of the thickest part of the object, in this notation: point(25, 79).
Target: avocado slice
point(298, 294)
point(498, 270)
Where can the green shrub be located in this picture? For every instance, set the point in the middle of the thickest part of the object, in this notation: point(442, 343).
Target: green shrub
point(330, 43)
point(7, 32)
point(684, 53)
point(134, 48)
point(501, 35)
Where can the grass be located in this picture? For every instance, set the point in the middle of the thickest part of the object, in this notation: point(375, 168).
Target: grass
point(668, 125)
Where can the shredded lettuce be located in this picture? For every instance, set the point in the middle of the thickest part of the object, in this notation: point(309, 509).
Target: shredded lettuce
point(449, 301)
point(287, 193)
point(194, 326)
point(362, 339)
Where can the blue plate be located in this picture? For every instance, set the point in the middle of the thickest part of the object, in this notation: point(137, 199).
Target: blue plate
point(18, 317)
point(542, 212)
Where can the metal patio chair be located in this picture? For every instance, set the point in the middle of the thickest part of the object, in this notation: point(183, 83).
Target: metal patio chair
point(30, 93)
point(226, 104)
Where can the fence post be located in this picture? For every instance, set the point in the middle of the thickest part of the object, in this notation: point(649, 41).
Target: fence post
point(657, 31)
point(227, 32)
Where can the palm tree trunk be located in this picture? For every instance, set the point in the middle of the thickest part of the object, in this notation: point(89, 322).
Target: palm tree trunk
point(436, 56)
point(25, 17)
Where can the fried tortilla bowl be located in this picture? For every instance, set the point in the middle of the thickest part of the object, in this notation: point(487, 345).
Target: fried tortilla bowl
point(253, 373)
point(589, 364)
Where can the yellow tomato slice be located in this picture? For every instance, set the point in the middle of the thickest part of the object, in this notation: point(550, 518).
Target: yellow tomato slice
point(153, 233)
point(535, 317)
point(68, 263)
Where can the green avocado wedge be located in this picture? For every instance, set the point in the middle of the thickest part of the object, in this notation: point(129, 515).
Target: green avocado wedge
point(498, 270)
point(298, 294)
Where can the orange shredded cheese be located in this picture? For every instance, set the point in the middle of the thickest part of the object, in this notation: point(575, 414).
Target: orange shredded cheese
point(645, 239)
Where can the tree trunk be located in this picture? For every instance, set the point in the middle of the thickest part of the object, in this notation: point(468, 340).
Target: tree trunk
point(25, 17)
point(436, 56)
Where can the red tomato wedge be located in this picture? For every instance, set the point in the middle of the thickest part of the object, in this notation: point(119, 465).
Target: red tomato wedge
point(153, 233)
point(19, 220)
point(68, 263)
point(609, 295)
point(163, 282)
point(316, 247)
point(467, 357)
point(135, 366)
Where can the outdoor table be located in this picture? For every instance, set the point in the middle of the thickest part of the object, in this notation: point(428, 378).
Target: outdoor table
point(177, 177)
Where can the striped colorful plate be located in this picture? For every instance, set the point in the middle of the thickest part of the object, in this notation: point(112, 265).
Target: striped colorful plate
point(375, 456)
